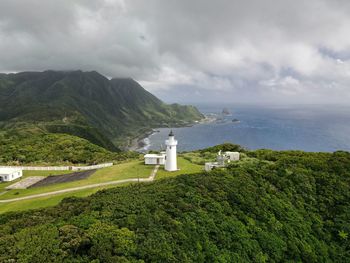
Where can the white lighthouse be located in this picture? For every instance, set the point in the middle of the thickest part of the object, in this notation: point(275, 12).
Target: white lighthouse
point(171, 159)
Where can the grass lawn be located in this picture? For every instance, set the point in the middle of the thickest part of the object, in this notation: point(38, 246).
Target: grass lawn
point(45, 173)
point(133, 169)
point(48, 200)
point(31, 173)
point(199, 158)
point(184, 166)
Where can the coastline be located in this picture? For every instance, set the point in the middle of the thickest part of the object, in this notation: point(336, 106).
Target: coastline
point(138, 143)
point(142, 142)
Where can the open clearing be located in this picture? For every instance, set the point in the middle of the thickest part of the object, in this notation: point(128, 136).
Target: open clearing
point(79, 188)
point(133, 169)
point(27, 174)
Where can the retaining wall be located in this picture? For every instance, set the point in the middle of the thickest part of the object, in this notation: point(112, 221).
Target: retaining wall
point(60, 168)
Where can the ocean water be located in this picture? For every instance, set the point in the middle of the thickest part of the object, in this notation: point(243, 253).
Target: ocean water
point(308, 128)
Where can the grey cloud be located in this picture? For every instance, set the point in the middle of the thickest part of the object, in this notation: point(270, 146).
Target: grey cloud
point(245, 51)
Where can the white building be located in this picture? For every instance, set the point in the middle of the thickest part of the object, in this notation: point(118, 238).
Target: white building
point(167, 158)
point(221, 160)
point(155, 158)
point(171, 158)
point(10, 174)
point(232, 156)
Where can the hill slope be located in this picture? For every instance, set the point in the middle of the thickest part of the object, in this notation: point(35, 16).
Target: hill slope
point(85, 104)
point(54, 149)
point(272, 207)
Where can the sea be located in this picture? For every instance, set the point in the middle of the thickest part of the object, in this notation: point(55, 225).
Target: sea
point(316, 128)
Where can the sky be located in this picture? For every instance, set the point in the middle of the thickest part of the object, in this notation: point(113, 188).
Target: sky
point(227, 51)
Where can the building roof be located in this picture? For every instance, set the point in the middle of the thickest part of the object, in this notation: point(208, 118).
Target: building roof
point(9, 170)
point(151, 155)
point(171, 133)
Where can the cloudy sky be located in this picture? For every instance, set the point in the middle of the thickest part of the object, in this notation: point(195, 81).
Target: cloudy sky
point(250, 51)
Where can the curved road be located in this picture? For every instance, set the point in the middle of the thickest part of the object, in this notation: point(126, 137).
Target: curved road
point(149, 179)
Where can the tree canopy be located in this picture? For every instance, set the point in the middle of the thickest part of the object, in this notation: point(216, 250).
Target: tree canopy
point(273, 206)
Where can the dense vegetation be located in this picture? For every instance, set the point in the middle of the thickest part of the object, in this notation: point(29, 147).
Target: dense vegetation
point(226, 147)
point(270, 207)
point(54, 149)
point(209, 154)
point(85, 104)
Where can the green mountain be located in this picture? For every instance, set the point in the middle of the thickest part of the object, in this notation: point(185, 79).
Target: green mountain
point(270, 207)
point(85, 104)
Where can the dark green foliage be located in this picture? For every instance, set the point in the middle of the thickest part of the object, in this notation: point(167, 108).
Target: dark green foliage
point(85, 104)
point(293, 209)
point(89, 133)
point(17, 149)
point(225, 147)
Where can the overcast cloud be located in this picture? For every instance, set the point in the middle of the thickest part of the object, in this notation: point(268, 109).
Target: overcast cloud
point(199, 50)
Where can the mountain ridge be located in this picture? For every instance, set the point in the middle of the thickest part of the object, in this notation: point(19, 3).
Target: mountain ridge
point(85, 104)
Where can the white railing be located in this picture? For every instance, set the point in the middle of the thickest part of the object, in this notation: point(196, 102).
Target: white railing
point(39, 168)
point(59, 168)
point(91, 167)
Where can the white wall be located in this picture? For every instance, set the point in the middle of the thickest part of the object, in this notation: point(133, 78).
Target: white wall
point(233, 156)
point(59, 168)
point(91, 167)
point(39, 168)
point(153, 160)
point(207, 166)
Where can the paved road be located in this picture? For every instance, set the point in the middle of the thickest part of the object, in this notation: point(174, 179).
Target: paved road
point(149, 179)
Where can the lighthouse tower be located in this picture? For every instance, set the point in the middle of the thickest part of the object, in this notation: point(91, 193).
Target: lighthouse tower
point(171, 159)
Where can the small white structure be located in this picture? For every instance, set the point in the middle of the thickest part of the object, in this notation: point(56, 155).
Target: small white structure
point(155, 159)
point(211, 166)
point(232, 156)
point(171, 158)
point(10, 174)
point(222, 160)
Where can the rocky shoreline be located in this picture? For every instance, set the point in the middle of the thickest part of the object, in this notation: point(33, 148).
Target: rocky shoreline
point(140, 142)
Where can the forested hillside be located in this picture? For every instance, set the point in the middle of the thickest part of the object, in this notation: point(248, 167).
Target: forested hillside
point(85, 104)
point(270, 207)
point(54, 149)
